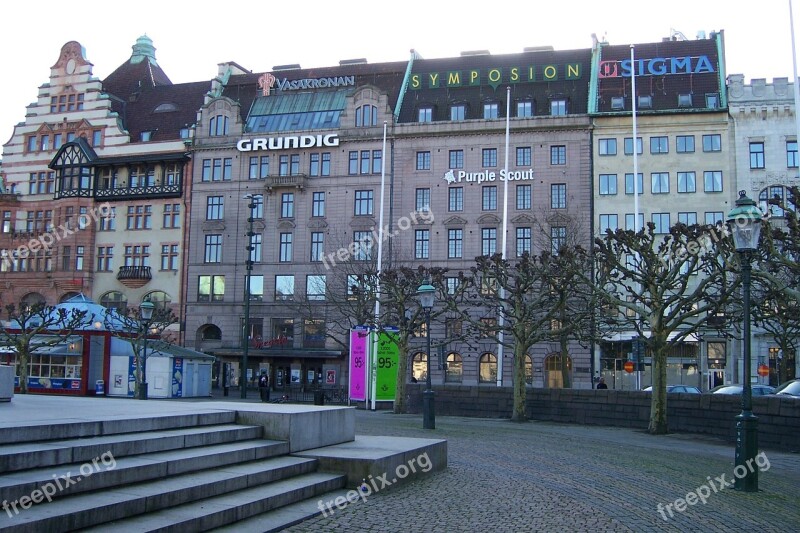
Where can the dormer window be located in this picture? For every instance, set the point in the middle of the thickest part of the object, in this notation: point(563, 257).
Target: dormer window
point(645, 102)
point(218, 125)
point(617, 103)
point(684, 100)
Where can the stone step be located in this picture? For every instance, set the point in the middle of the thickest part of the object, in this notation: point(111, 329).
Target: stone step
point(111, 425)
point(253, 485)
point(230, 508)
point(70, 479)
point(23, 456)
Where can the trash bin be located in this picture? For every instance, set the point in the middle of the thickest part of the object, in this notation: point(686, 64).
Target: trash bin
point(319, 397)
point(99, 387)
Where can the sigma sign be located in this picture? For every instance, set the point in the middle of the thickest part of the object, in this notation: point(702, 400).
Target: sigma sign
point(286, 143)
point(657, 66)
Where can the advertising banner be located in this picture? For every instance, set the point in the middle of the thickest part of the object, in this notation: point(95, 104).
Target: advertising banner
point(359, 351)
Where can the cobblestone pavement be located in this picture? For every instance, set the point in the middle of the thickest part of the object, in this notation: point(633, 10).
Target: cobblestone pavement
point(538, 476)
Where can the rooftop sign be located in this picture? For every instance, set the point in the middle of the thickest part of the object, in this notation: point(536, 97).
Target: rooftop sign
point(496, 76)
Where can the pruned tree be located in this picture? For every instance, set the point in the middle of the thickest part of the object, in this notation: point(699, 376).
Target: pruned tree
point(36, 326)
point(664, 286)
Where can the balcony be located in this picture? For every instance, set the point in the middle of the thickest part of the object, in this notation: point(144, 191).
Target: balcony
point(166, 190)
point(297, 181)
point(134, 276)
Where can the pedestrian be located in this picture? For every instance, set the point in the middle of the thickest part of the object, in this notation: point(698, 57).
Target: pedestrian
point(602, 384)
point(263, 386)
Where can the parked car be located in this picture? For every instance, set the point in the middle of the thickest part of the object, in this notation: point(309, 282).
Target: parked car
point(677, 388)
point(755, 390)
point(790, 389)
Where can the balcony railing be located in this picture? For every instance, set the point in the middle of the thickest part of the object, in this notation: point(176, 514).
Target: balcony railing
point(134, 273)
point(297, 181)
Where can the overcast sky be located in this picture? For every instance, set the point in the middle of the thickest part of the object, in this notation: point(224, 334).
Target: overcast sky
point(192, 38)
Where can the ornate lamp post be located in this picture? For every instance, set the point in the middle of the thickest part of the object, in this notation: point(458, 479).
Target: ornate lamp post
point(426, 293)
point(251, 205)
point(145, 316)
point(745, 224)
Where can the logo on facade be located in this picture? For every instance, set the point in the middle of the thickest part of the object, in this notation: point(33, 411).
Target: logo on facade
point(481, 177)
point(286, 143)
point(265, 83)
point(656, 66)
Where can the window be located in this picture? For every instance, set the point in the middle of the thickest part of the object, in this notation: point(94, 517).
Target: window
point(523, 156)
point(285, 253)
point(363, 203)
point(366, 116)
point(775, 193)
point(169, 257)
point(287, 205)
point(617, 103)
point(352, 167)
point(114, 300)
point(524, 198)
point(489, 197)
point(455, 367)
point(422, 239)
point(137, 255)
point(608, 222)
point(105, 258)
point(6, 222)
point(423, 200)
point(645, 102)
point(712, 143)
point(608, 184)
point(318, 204)
point(791, 154)
point(684, 100)
point(558, 196)
point(256, 288)
point(757, 155)
point(210, 288)
point(558, 107)
point(712, 101)
point(715, 217)
point(558, 239)
point(455, 199)
point(661, 221)
point(41, 183)
point(452, 284)
point(172, 215)
point(215, 209)
point(525, 109)
point(365, 162)
point(317, 246)
point(314, 333)
point(712, 180)
point(213, 249)
point(109, 223)
point(66, 258)
point(455, 238)
point(659, 145)
point(284, 288)
point(629, 183)
point(687, 218)
point(139, 216)
point(217, 169)
point(456, 159)
point(487, 368)
point(315, 287)
point(607, 146)
point(490, 111)
point(684, 144)
point(257, 209)
point(523, 241)
point(629, 222)
point(142, 176)
point(488, 241)
point(218, 125)
point(377, 162)
point(425, 114)
point(687, 182)
point(458, 112)
point(362, 245)
point(489, 157)
point(255, 247)
point(488, 286)
point(283, 165)
point(659, 183)
point(629, 145)
point(558, 155)
point(423, 160)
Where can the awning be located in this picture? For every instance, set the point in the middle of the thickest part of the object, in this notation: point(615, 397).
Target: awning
point(284, 354)
point(628, 335)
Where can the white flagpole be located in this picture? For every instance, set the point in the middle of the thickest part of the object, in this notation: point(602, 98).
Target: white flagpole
point(374, 351)
point(636, 226)
point(501, 318)
point(796, 85)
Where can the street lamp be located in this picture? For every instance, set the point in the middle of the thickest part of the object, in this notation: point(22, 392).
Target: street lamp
point(745, 223)
point(145, 316)
point(426, 293)
point(247, 276)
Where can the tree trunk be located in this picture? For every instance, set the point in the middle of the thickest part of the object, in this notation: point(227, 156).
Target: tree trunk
point(658, 401)
point(22, 366)
point(402, 374)
point(565, 375)
point(519, 413)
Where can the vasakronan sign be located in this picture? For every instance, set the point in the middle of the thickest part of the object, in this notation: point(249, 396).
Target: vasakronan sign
point(656, 66)
point(286, 143)
point(484, 176)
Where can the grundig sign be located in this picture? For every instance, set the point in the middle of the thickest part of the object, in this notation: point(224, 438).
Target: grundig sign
point(286, 143)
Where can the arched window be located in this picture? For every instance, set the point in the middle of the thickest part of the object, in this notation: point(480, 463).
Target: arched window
point(419, 366)
point(218, 125)
point(455, 368)
point(67, 296)
point(528, 370)
point(211, 333)
point(115, 300)
point(487, 368)
point(554, 376)
point(159, 298)
point(366, 116)
point(777, 193)
point(31, 299)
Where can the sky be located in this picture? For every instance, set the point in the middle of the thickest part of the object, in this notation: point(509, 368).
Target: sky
point(191, 39)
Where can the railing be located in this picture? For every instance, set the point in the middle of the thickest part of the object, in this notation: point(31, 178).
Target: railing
point(297, 181)
point(134, 272)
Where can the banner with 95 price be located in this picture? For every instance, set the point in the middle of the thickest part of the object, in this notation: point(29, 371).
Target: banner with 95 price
point(385, 360)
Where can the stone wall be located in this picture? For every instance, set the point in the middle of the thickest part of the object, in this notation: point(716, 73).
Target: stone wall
point(709, 414)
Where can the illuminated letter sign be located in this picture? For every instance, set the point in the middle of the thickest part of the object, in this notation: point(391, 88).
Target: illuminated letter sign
point(285, 143)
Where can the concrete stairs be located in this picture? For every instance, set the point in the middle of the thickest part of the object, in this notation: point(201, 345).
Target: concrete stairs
point(176, 472)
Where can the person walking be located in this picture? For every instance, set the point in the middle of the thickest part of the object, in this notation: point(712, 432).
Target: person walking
point(263, 386)
point(602, 384)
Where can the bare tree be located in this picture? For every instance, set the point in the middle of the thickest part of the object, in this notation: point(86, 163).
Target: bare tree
point(33, 327)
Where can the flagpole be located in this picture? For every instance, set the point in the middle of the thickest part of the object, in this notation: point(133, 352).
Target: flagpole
point(796, 85)
point(374, 381)
point(501, 318)
point(636, 227)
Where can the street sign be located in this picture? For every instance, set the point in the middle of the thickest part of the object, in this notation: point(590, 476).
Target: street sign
point(628, 366)
point(763, 370)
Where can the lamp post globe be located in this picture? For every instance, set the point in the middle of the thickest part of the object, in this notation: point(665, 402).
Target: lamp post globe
point(145, 316)
point(426, 293)
point(744, 222)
